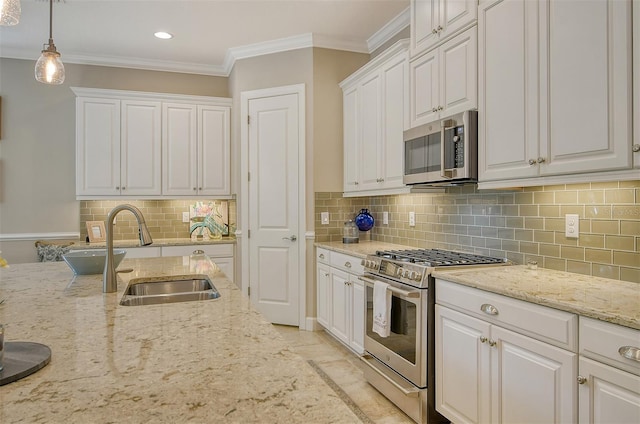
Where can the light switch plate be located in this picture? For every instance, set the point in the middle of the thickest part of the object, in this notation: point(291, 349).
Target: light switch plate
point(324, 218)
point(385, 218)
point(572, 225)
point(185, 217)
point(412, 219)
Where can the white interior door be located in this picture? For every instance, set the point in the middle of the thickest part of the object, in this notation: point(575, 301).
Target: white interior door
point(274, 139)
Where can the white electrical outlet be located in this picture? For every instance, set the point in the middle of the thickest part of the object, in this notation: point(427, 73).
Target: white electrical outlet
point(324, 218)
point(185, 216)
point(412, 219)
point(385, 218)
point(572, 225)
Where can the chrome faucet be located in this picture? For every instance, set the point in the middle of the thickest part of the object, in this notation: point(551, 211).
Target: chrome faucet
point(109, 278)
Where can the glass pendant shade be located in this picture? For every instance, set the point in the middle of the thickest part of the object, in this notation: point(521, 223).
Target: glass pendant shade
point(9, 12)
point(49, 67)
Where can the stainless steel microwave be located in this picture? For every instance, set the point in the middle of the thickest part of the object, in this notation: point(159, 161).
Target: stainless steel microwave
point(442, 153)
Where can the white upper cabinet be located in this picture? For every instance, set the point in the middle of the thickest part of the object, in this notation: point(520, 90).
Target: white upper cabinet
point(150, 145)
point(434, 21)
point(117, 147)
point(444, 81)
point(555, 80)
point(375, 108)
point(196, 150)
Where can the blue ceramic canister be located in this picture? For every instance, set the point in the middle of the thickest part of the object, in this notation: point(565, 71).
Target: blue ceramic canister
point(364, 220)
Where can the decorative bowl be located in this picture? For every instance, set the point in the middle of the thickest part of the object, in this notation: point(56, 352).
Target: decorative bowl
point(84, 262)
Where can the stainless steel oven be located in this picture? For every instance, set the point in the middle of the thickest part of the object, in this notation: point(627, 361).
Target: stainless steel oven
point(402, 365)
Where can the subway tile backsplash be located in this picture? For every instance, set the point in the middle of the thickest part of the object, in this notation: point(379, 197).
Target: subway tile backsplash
point(163, 217)
point(521, 225)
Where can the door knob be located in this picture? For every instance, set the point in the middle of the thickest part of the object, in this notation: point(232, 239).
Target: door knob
point(292, 238)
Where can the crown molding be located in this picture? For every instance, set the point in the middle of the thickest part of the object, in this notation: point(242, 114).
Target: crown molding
point(390, 29)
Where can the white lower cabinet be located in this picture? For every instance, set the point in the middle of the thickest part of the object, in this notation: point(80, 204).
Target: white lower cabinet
point(609, 389)
point(499, 369)
point(340, 297)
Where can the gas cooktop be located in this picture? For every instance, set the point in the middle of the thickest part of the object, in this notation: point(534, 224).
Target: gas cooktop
point(438, 257)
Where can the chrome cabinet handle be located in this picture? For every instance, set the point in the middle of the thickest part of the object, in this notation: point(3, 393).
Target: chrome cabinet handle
point(492, 343)
point(636, 148)
point(483, 339)
point(321, 256)
point(347, 264)
point(532, 161)
point(541, 160)
point(630, 352)
point(581, 379)
point(292, 238)
point(489, 309)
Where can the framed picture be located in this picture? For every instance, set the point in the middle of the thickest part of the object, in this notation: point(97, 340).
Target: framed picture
point(95, 231)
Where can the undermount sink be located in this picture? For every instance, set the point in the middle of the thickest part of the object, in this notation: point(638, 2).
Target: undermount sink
point(170, 290)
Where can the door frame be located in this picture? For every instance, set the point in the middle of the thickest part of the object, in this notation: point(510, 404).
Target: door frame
point(245, 97)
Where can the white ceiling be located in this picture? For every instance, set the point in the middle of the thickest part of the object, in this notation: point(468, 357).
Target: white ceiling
point(208, 34)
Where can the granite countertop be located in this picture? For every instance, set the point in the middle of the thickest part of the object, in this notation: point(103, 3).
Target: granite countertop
point(608, 300)
point(361, 249)
point(119, 244)
point(205, 361)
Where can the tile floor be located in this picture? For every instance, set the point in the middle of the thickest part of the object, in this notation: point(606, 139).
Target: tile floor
point(344, 368)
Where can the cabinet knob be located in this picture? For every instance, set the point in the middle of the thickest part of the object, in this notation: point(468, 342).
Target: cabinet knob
point(483, 339)
point(326, 274)
point(356, 183)
point(321, 256)
point(541, 160)
point(492, 343)
point(195, 189)
point(532, 161)
point(199, 188)
point(636, 148)
point(347, 264)
point(118, 188)
point(439, 28)
point(440, 108)
point(581, 379)
point(434, 110)
point(124, 188)
point(434, 31)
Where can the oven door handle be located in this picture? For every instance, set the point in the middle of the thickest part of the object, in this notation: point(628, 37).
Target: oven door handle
point(400, 292)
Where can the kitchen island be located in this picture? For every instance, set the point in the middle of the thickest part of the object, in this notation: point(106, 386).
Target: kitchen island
point(203, 361)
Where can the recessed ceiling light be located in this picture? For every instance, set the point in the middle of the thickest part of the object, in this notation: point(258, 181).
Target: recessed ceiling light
point(163, 35)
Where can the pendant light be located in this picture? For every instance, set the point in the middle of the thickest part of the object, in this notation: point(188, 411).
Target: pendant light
point(49, 67)
point(9, 12)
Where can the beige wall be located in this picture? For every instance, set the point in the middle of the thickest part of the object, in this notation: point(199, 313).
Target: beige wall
point(330, 67)
point(37, 144)
point(522, 225)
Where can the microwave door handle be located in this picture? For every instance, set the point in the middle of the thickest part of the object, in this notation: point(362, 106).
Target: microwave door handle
point(445, 172)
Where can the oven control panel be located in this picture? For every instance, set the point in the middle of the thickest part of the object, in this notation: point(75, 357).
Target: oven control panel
point(407, 273)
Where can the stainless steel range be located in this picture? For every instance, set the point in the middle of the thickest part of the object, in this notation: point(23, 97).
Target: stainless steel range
point(402, 365)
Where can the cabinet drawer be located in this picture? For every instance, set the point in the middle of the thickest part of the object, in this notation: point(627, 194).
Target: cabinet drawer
point(323, 255)
point(347, 263)
point(546, 324)
point(212, 250)
point(603, 341)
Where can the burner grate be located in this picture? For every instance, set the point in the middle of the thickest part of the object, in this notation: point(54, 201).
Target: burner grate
point(437, 257)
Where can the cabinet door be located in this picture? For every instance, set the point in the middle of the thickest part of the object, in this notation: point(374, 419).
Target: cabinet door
point(508, 133)
point(395, 114)
point(339, 318)
point(532, 382)
point(357, 296)
point(608, 395)
point(458, 61)
point(323, 294)
point(179, 149)
point(425, 84)
point(351, 127)
point(425, 18)
point(370, 141)
point(586, 88)
point(97, 146)
point(214, 151)
point(455, 15)
point(141, 146)
point(463, 383)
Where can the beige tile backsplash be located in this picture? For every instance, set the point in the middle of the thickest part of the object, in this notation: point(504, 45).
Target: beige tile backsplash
point(521, 225)
point(163, 217)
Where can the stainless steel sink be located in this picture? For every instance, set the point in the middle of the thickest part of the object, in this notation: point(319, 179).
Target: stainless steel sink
point(170, 290)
